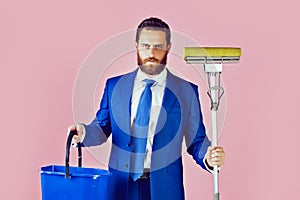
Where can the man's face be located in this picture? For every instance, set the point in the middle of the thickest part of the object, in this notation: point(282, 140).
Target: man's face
point(152, 51)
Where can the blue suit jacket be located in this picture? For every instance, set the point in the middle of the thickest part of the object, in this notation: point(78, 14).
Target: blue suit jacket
point(180, 118)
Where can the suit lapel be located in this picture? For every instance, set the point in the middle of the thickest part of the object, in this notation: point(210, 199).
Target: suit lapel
point(121, 104)
point(171, 91)
point(170, 95)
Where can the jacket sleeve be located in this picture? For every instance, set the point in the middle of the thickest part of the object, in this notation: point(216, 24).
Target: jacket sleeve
point(196, 138)
point(99, 129)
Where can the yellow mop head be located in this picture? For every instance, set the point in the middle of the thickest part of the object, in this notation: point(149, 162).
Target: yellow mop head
point(212, 54)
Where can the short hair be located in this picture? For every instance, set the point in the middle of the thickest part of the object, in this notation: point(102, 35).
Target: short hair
point(153, 23)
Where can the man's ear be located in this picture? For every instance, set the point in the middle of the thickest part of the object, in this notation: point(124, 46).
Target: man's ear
point(169, 47)
point(136, 45)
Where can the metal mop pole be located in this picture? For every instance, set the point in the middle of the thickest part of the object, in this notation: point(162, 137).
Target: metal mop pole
point(214, 132)
point(215, 93)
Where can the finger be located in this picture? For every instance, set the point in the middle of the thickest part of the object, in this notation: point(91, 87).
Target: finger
point(218, 152)
point(214, 159)
point(76, 139)
point(71, 128)
point(79, 128)
point(217, 156)
point(217, 163)
point(218, 149)
point(218, 159)
point(212, 150)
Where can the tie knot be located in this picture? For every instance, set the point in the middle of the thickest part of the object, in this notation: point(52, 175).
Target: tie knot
point(149, 82)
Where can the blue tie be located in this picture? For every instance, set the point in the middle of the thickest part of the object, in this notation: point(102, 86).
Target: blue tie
point(140, 132)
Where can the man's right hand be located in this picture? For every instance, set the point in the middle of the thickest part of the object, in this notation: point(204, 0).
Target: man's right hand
point(80, 129)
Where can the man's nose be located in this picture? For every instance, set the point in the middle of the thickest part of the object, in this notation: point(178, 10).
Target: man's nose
point(151, 52)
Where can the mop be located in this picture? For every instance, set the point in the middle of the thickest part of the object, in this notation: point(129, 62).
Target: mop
point(213, 58)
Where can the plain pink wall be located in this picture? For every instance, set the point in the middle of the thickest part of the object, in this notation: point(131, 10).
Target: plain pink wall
point(42, 45)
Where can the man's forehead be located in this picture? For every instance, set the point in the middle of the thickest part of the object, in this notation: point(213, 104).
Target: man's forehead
point(149, 35)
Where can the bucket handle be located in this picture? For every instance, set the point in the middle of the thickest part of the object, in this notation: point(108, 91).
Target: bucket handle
point(69, 141)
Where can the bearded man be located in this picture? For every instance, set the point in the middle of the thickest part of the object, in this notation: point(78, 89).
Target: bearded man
point(149, 113)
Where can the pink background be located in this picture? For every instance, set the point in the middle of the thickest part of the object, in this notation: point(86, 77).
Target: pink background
point(42, 45)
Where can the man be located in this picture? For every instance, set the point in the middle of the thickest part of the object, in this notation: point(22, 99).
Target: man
point(149, 113)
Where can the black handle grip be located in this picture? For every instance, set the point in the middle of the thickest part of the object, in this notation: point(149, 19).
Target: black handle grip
point(69, 143)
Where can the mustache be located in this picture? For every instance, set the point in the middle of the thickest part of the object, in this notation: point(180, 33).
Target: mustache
point(151, 59)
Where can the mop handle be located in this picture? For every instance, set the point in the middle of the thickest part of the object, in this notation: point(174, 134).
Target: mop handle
point(215, 100)
point(215, 143)
point(69, 142)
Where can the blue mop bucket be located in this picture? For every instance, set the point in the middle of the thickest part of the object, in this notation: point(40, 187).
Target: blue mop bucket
point(73, 183)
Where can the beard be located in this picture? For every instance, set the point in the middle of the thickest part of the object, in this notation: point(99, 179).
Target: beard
point(153, 68)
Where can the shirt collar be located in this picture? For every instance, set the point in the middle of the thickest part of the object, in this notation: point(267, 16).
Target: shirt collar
point(160, 78)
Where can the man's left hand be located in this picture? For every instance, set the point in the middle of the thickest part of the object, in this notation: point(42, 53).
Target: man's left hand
point(215, 156)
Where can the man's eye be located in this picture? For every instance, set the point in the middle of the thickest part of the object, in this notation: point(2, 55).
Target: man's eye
point(146, 46)
point(158, 46)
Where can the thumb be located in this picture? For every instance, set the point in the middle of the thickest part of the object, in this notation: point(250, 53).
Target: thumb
point(71, 128)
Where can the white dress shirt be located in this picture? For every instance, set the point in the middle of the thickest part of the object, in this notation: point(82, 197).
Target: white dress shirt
point(157, 90)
